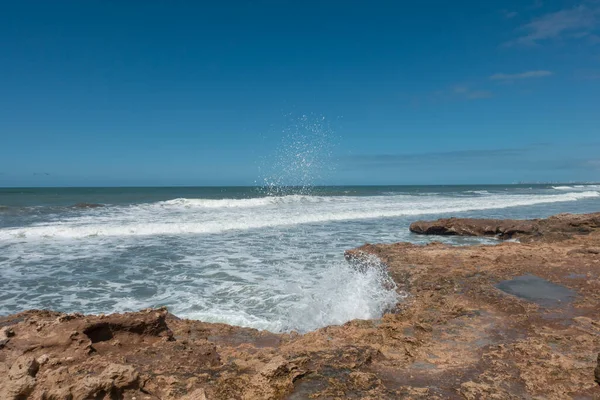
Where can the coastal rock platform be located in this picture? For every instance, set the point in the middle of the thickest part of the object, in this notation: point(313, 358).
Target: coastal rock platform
point(508, 321)
point(557, 227)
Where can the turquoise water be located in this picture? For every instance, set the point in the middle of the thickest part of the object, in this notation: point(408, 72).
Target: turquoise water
point(232, 254)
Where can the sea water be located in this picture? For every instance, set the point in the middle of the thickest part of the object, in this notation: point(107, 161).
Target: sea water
point(239, 255)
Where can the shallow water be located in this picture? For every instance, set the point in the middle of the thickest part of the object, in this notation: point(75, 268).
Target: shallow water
point(233, 255)
point(537, 290)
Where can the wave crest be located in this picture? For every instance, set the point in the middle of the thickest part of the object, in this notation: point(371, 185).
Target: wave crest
point(246, 203)
point(229, 214)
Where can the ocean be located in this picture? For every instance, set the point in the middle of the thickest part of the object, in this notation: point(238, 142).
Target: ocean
point(238, 255)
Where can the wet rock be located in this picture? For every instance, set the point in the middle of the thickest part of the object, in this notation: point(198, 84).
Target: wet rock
point(558, 227)
point(474, 227)
point(537, 290)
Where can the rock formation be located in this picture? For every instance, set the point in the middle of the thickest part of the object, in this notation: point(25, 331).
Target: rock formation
point(557, 227)
point(460, 334)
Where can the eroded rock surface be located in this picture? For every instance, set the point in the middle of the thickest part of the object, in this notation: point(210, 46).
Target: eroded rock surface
point(457, 336)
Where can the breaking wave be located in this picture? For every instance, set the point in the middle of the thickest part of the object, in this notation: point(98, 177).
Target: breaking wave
point(246, 203)
point(203, 216)
point(577, 187)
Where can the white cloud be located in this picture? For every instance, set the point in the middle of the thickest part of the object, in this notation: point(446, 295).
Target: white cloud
point(576, 22)
point(522, 75)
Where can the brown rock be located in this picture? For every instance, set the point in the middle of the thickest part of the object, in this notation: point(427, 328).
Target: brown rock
point(198, 394)
point(20, 380)
point(112, 381)
point(364, 380)
point(558, 227)
point(24, 366)
point(7, 332)
point(146, 323)
point(456, 334)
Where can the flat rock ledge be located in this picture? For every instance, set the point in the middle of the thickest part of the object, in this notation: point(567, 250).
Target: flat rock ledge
point(558, 227)
point(468, 330)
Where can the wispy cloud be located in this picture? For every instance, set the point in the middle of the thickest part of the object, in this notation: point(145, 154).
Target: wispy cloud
point(594, 164)
point(479, 94)
point(522, 75)
point(479, 157)
point(533, 157)
point(573, 23)
point(510, 14)
point(587, 74)
point(537, 4)
point(468, 93)
point(589, 164)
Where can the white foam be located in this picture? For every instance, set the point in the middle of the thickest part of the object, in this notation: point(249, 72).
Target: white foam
point(276, 264)
point(577, 187)
point(331, 296)
point(220, 203)
point(482, 192)
point(245, 203)
point(155, 219)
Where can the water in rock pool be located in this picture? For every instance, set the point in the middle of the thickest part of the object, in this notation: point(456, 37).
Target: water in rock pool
point(232, 254)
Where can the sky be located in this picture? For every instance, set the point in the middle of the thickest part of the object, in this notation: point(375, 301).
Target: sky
point(119, 93)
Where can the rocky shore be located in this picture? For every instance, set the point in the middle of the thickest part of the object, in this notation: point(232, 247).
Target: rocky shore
point(519, 319)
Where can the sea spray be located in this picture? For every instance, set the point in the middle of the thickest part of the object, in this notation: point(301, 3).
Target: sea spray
point(342, 293)
point(302, 159)
point(331, 295)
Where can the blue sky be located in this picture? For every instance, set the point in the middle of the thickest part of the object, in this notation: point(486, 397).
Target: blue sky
point(207, 93)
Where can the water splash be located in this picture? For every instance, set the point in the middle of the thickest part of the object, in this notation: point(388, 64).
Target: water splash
point(343, 292)
point(302, 160)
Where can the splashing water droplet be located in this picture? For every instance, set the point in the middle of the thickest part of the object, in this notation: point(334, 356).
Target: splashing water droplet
point(302, 160)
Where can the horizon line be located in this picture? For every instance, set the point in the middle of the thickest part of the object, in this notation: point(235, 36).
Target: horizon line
point(297, 186)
